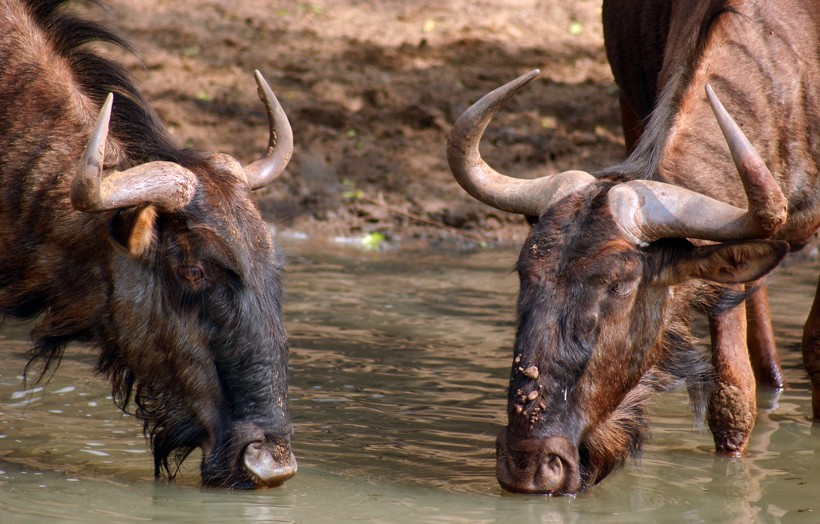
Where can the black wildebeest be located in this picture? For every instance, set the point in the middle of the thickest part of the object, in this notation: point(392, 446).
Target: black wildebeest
point(615, 261)
point(114, 236)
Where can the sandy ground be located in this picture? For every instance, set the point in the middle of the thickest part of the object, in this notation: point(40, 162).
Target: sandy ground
point(371, 89)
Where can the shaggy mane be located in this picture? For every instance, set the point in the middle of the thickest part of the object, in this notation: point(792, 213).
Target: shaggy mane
point(71, 36)
point(133, 121)
point(644, 161)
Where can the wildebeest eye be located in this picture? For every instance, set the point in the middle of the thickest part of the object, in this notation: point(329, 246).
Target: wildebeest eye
point(622, 288)
point(192, 274)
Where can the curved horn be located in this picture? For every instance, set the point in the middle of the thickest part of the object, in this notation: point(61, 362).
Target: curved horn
point(647, 210)
point(528, 197)
point(766, 201)
point(94, 189)
point(280, 141)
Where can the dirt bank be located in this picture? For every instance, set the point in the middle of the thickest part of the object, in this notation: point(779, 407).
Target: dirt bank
point(371, 89)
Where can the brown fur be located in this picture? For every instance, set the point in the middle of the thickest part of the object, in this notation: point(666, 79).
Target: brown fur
point(764, 59)
point(185, 305)
point(606, 322)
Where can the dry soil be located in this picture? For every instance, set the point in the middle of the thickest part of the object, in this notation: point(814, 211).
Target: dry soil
point(371, 89)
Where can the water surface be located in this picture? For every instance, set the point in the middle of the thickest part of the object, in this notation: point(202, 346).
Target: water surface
point(399, 366)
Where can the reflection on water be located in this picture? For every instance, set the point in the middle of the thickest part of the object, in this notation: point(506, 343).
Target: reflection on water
point(399, 366)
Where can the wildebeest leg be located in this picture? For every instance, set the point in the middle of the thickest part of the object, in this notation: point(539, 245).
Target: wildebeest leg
point(732, 407)
point(811, 353)
point(762, 348)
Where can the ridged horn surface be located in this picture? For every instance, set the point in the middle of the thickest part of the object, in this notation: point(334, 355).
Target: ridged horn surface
point(95, 189)
point(527, 197)
point(280, 140)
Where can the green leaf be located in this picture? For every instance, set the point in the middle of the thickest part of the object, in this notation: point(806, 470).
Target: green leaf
point(373, 241)
point(549, 122)
point(191, 51)
point(354, 194)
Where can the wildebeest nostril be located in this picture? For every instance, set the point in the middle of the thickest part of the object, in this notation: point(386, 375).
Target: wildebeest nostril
point(550, 474)
point(537, 465)
point(270, 462)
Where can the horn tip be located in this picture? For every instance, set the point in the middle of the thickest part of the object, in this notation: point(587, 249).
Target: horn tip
point(712, 97)
point(263, 88)
point(529, 76)
point(260, 79)
point(105, 110)
point(710, 93)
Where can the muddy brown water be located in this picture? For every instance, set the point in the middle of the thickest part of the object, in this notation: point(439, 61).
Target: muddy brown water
point(399, 365)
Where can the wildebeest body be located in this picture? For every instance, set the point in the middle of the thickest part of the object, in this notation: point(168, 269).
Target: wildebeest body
point(183, 301)
point(609, 274)
point(768, 66)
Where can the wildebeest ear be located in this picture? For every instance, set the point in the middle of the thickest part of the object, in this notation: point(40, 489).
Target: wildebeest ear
point(732, 262)
point(133, 230)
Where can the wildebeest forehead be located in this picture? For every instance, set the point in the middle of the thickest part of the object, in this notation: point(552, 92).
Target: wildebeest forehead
point(561, 309)
point(234, 259)
point(592, 259)
point(614, 260)
point(230, 226)
point(223, 187)
point(578, 225)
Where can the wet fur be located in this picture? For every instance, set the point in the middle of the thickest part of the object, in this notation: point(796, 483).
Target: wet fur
point(678, 362)
point(575, 259)
point(134, 123)
point(58, 265)
point(624, 432)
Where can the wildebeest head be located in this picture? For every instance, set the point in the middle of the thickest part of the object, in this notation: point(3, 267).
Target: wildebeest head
point(607, 276)
point(194, 329)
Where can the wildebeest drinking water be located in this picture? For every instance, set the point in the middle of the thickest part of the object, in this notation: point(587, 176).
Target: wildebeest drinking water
point(615, 261)
point(112, 235)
